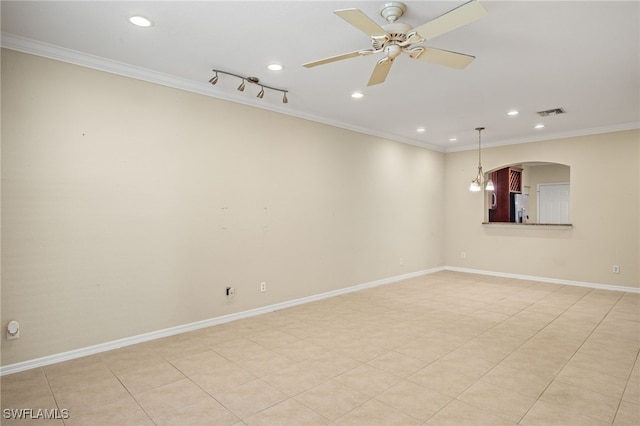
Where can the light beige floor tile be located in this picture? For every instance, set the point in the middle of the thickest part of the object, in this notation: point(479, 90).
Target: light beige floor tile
point(414, 400)
point(610, 367)
point(130, 357)
point(265, 363)
point(273, 339)
point(76, 378)
point(472, 366)
point(628, 415)
point(222, 379)
point(497, 400)
point(605, 349)
point(200, 362)
point(143, 378)
point(24, 389)
point(362, 350)
point(432, 346)
point(300, 350)
point(159, 402)
point(302, 330)
point(592, 380)
point(180, 346)
point(287, 413)
point(398, 364)
point(494, 343)
point(376, 413)
point(331, 340)
point(550, 414)
point(332, 399)
point(535, 361)
point(368, 380)
point(250, 398)
point(75, 367)
point(239, 349)
point(297, 378)
point(332, 363)
point(442, 379)
point(206, 412)
point(576, 399)
point(520, 380)
point(458, 413)
point(90, 396)
point(123, 411)
point(632, 390)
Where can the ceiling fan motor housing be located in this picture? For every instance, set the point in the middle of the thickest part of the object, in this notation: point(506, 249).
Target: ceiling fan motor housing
point(396, 33)
point(392, 10)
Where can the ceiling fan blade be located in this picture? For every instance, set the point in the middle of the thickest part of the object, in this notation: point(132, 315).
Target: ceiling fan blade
point(333, 59)
point(380, 72)
point(451, 20)
point(445, 57)
point(361, 21)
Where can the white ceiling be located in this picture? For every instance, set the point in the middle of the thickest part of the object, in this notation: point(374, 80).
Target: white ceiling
point(583, 56)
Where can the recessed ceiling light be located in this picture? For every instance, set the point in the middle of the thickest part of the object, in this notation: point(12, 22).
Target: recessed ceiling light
point(539, 126)
point(140, 21)
point(275, 67)
point(453, 139)
point(357, 95)
point(421, 130)
point(513, 112)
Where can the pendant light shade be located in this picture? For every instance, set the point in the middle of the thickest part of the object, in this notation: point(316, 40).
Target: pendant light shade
point(489, 186)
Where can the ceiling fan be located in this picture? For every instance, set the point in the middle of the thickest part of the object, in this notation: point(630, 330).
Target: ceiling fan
point(394, 38)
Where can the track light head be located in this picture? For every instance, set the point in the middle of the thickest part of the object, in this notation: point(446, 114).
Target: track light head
point(284, 98)
point(214, 80)
point(241, 87)
point(261, 94)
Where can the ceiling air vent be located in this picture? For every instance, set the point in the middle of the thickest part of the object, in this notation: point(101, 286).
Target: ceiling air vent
point(554, 111)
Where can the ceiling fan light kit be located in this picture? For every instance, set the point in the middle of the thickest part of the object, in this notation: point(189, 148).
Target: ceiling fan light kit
point(253, 80)
point(395, 38)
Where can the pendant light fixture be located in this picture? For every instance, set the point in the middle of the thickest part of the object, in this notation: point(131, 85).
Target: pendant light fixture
point(479, 181)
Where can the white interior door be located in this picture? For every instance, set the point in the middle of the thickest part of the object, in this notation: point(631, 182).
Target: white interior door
point(553, 203)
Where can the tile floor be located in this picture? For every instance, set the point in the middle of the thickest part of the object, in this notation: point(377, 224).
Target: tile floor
point(442, 349)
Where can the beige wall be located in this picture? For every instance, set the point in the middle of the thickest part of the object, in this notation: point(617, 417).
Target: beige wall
point(604, 212)
point(129, 207)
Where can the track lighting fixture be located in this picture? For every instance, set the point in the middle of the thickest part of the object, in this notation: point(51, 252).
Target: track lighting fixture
point(254, 80)
point(479, 181)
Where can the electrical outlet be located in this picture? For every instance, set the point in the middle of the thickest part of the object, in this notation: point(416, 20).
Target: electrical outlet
point(13, 330)
point(463, 255)
point(231, 291)
point(402, 261)
point(616, 269)
point(263, 287)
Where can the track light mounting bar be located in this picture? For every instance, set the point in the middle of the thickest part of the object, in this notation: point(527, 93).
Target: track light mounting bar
point(254, 80)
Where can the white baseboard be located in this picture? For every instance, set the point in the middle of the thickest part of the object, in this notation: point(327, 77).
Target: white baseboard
point(116, 344)
point(544, 279)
